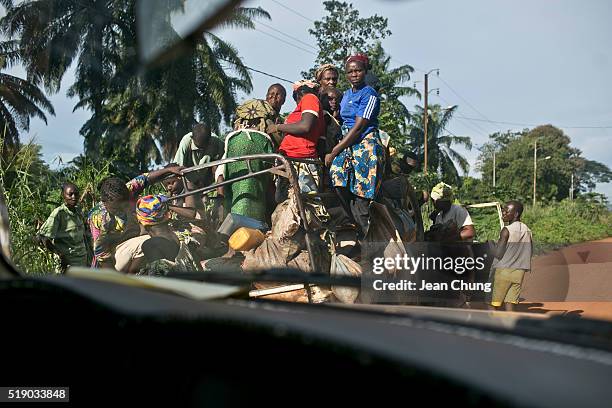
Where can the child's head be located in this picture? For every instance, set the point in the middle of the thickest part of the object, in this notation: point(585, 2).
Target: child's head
point(115, 195)
point(70, 194)
point(173, 185)
point(330, 98)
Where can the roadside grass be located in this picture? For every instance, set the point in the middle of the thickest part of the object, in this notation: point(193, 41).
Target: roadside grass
point(554, 226)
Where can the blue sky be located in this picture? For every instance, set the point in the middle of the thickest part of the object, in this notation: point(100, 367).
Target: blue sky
point(524, 61)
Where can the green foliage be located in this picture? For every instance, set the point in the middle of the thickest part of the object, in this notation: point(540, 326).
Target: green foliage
point(515, 164)
point(138, 117)
point(473, 190)
point(26, 180)
point(343, 32)
point(20, 99)
point(486, 223)
point(425, 182)
point(441, 157)
point(568, 222)
point(32, 191)
point(87, 175)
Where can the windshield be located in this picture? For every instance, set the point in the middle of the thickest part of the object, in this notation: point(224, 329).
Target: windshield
point(409, 153)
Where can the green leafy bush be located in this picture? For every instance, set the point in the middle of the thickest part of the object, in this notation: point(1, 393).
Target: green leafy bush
point(32, 191)
point(553, 226)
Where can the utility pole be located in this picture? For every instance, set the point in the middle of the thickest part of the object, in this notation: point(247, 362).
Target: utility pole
point(425, 119)
point(572, 188)
point(535, 168)
point(493, 168)
point(426, 114)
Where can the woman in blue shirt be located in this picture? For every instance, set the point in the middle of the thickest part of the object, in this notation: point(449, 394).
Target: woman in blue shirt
point(356, 163)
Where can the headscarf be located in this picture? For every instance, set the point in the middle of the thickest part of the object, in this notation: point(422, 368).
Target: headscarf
point(252, 114)
point(359, 57)
point(442, 191)
point(323, 68)
point(152, 210)
point(304, 82)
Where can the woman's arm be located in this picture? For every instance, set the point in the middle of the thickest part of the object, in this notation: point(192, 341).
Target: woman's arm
point(348, 140)
point(157, 175)
point(305, 125)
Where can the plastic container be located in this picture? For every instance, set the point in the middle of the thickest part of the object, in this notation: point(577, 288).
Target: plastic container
point(245, 239)
point(234, 221)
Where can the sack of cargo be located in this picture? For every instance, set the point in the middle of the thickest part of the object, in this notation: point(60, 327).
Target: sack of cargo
point(286, 220)
point(344, 266)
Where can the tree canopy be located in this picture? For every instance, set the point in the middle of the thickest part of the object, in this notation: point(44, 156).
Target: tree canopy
point(514, 163)
point(141, 117)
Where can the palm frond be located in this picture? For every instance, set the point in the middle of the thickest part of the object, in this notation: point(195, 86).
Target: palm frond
point(242, 17)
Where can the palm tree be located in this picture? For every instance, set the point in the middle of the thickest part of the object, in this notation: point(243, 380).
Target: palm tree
point(53, 34)
point(20, 100)
point(441, 156)
point(194, 86)
point(100, 36)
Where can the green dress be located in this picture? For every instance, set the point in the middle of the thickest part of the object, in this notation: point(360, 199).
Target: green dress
point(247, 197)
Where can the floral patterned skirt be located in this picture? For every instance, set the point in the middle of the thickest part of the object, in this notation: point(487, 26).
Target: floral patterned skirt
point(360, 167)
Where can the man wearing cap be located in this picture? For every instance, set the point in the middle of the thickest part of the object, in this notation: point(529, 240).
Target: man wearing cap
point(447, 212)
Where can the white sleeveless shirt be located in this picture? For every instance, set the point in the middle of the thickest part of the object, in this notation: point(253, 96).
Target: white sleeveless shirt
point(518, 248)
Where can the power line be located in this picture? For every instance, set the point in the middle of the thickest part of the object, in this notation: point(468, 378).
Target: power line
point(480, 129)
point(476, 126)
point(461, 97)
point(286, 42)
point(259, 72)
point(466, 118)
point(532, 124)
point(293, 11)
point(287, 35)
point(473, 126)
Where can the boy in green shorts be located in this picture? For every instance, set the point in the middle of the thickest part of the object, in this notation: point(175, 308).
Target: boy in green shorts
point(513, 250)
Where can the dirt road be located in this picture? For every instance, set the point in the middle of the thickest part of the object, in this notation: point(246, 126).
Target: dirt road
point(576, 280)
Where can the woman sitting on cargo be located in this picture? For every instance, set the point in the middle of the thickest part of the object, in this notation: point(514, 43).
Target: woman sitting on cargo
point(356, 163)
point(164, 251)
point(302, 128)
point(248, 197)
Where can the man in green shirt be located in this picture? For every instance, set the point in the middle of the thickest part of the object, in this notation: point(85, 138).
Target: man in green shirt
point(198, 147)
point(64, 231)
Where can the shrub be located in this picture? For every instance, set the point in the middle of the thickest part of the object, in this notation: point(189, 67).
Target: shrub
point(32, 191)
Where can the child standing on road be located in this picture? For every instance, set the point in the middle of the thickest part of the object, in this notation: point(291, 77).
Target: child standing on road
point(513, 250)
point(63, 233)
